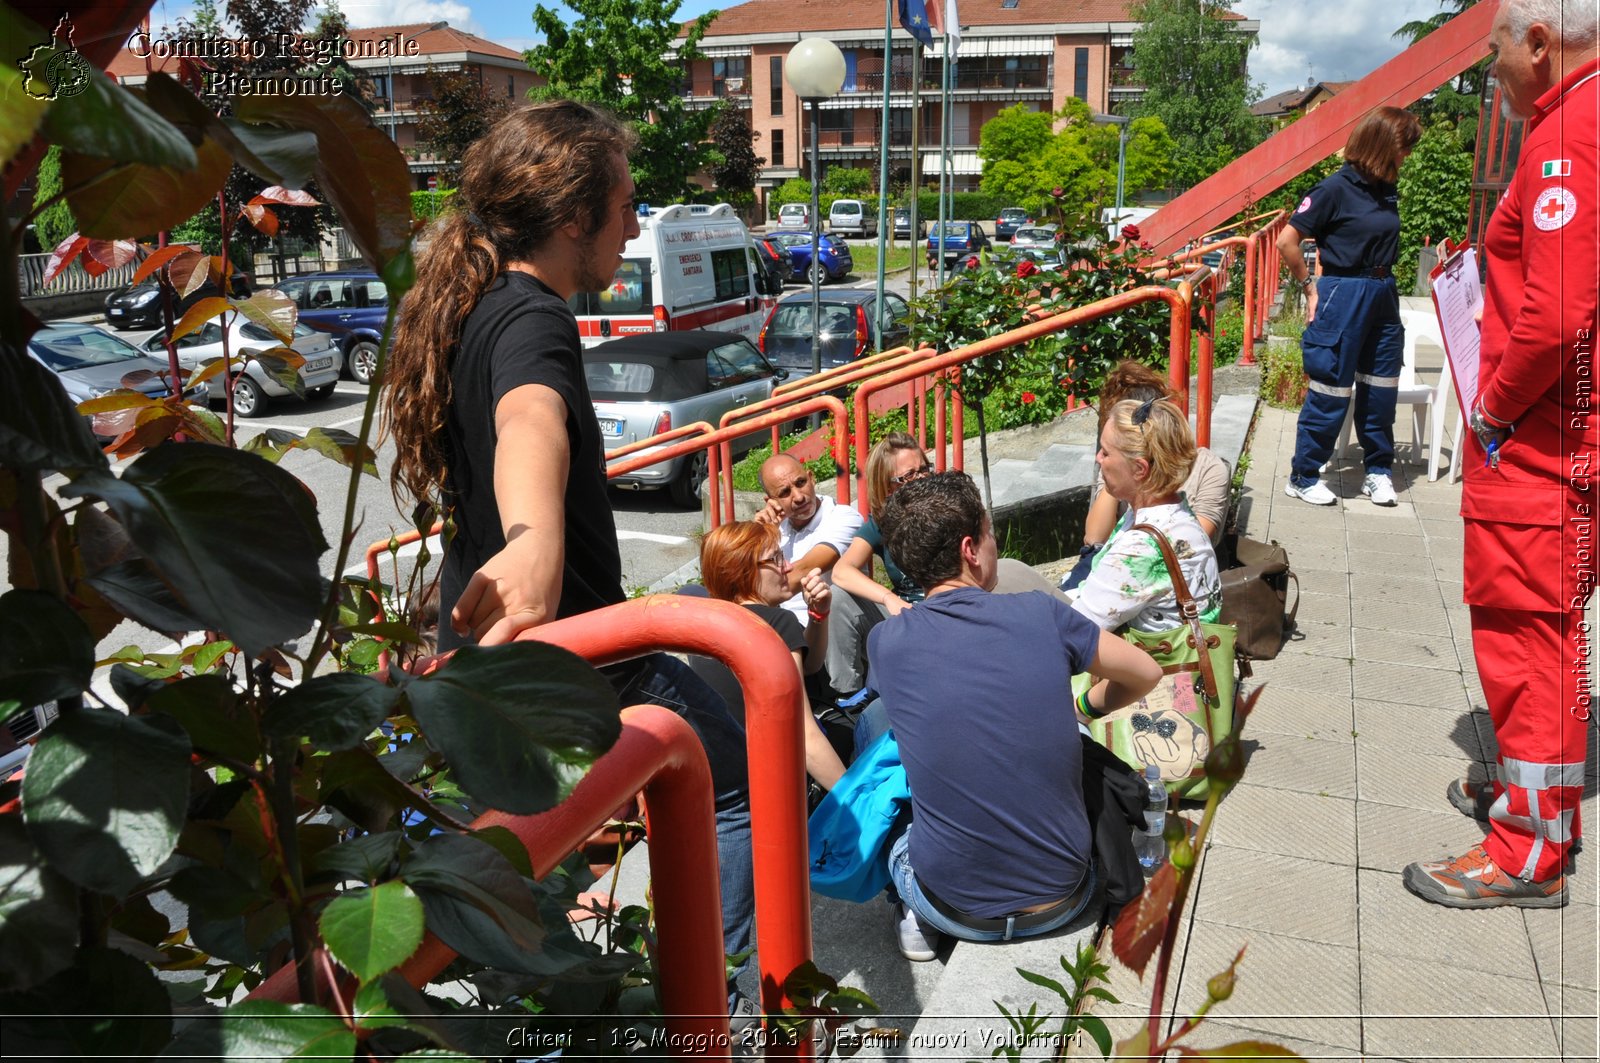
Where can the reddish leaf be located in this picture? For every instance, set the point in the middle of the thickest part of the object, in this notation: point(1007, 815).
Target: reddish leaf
point(113, 253)
point(119, 422)
point(188, 273)
point(111, 198)
point(287, 197)
point(94, 267)
point(1141, 925)
point(117, 400)
point(198, 315)
point(132, 380)
point(262, 218)
point(274, 311)
point(201, 424)
point(214, 368)
point(161, 257)
point(62, 256)
point(1239, 1050)
point(156, 427)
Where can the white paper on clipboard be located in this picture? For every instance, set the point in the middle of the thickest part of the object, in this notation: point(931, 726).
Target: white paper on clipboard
point(1458, 301)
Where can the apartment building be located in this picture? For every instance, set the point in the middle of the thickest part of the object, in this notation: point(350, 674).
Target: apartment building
point(1034, 52)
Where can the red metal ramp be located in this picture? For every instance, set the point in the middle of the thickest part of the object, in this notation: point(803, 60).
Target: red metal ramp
point(1291, 151)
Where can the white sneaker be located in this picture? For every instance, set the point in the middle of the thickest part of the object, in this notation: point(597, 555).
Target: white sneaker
point(1317, 493)
point(1379, 487)
point(917, 942)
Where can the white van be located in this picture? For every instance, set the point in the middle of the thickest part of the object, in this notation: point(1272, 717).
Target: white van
point(1129, 216)
point(691, 267)
point(851, 216)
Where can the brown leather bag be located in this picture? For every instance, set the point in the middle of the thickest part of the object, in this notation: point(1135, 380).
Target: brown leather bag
point(1255, 595)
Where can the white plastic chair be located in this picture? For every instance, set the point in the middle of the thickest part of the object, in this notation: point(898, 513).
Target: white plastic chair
point(1435, 402)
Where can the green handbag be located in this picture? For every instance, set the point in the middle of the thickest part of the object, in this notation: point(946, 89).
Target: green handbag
point(1175, 725)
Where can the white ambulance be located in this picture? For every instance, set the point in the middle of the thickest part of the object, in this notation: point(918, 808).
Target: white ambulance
point(691, 267)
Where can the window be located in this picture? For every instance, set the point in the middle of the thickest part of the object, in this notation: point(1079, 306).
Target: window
point(838, 127)
point(728, 76)
point(740, 361)
point(511, 86)
point(730, 269)
point(776, 143)
point(776, 73)
point(1080, 74)
point(329, 295)
point(629, 293)
point(376, 294)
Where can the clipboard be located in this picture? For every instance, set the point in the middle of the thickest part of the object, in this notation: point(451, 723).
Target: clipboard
point(1458, 303)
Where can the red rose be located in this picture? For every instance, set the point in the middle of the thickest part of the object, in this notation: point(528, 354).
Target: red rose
point(1058, 192)
point(1027, 397)
point(1026, 268)
point(1145, 245)
point(1130, 232)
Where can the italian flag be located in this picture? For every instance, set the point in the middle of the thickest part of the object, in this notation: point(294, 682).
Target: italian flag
point(1558, 168)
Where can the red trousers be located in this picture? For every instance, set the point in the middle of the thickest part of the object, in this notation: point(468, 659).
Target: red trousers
point(1534, 667)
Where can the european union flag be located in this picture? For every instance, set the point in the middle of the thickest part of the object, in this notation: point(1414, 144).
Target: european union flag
point(914, 20)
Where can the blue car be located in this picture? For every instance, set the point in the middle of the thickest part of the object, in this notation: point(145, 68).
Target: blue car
point(349, 304)
point(834, 255)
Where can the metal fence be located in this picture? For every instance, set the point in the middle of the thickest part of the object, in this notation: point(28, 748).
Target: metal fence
point(30, 271)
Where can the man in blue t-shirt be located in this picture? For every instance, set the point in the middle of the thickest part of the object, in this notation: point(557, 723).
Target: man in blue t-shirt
point(978, 690)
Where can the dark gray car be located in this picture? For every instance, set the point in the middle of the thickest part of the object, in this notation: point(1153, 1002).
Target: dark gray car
point(91, 362)
point(847, 318)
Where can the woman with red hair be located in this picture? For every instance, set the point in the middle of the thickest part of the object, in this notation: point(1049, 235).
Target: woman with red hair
point(741, 563)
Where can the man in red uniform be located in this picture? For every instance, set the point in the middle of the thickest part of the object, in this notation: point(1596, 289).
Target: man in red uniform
point(1529, 504)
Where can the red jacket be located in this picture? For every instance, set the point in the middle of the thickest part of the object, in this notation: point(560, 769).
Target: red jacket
point(1532, 521)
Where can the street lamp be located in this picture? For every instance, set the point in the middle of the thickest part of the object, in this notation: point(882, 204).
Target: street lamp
point(1121, 122)
point(815, 71)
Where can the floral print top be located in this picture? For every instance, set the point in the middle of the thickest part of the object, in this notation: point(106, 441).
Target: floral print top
point(1129, 584)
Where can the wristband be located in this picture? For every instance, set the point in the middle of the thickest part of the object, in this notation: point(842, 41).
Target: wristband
point(1305, 285)
point(1084, 706)
point(813, 614)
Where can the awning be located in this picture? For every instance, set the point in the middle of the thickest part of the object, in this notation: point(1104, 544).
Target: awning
point(961, 162)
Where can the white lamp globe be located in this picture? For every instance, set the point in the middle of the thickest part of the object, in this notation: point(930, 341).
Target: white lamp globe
point(815, 69)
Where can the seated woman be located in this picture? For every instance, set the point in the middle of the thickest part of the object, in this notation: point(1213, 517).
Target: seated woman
point(897, 459)
point(741, 563)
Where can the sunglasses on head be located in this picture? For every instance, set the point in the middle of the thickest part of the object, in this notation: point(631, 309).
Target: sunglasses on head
point(1142, 414)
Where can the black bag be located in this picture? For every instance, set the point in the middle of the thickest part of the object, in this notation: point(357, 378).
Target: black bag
point(1255, 594)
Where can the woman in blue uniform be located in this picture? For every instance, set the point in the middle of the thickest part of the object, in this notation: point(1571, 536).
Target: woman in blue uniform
point(1353, 339)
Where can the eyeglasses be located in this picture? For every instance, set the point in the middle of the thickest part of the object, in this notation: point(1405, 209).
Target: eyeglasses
point(777, 562)
point(926, 469)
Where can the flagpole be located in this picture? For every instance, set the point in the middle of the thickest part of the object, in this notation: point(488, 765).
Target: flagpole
point(916, 157)
point(944, 154)
point(883, 175)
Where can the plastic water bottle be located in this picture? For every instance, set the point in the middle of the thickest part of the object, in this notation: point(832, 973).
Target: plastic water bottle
point(1149, 843)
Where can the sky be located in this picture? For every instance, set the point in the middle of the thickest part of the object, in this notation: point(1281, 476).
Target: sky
point(1300, 41)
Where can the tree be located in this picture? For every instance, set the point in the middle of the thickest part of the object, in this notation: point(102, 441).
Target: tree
point(55, 223)
point(613, 55)
point(738, 166)
point(461, 111)
point(1456, 101)
point(1435, 194)
point(1025, 158)
point(1192, 65)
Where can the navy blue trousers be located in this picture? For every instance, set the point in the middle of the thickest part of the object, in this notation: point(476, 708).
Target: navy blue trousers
point(1354, 347)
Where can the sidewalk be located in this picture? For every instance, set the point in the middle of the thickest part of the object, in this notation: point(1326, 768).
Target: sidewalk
point(1365, 720)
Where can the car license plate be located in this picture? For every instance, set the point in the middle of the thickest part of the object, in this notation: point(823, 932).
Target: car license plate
point(320, 363)
point(610, 426)
point(115, 312)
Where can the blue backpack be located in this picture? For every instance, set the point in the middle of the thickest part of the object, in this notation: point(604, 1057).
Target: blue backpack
point(850, 829)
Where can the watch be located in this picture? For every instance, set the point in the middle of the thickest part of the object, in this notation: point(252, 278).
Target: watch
point(1305, 285)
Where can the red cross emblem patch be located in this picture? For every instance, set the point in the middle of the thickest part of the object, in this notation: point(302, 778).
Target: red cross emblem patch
point(1554, 207)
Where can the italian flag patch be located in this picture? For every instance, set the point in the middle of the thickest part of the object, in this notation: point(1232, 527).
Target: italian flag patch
point(1557, 168)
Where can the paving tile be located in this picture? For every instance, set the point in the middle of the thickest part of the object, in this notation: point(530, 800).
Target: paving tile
point(1287, 823)
point(1446, 530)
point(1374, 563)
point(1308, 671)
point(1285, 987)
point(1401, 616)
point(1322, 580)
point(1388, 837)
point(1389, 541)
point(1418, 728)
point(1218, 1032)
point(1418, 1010)
point(1572, 1014)
point(1304, 765)
point(1408, 684)
point(1401, 777)
point(1320, 609)
point(1432, 510)
point(1307, 899)
point(1396, 923)
point(1362, 516)
point(1380, 587)
point(1564, 941)
point(1406, 647)
point(1284, 710)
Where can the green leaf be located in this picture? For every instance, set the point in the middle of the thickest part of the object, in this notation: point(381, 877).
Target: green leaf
point(509, 846)
point(249, 568)
point(22, 113)
point(366, 857)
point(335, 711)
point(372, 1010)
point(104, 796)
point(107, 121)
point(46, 652)
point(273, 311)
point(112, 199)
point(263, 1029)
point(373, 930)
point(476, 902)
point(1048, 983)
point(209, 710)
point(1098, 1030)
point(107, 1005)
point(492, 713)
point(39, 428)
point(38, 912)
point(286, 157)
point(135, 591)
point(334, 443)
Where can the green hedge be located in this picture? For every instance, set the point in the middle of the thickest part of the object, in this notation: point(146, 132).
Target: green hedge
point(964, 206)
point(429, 205)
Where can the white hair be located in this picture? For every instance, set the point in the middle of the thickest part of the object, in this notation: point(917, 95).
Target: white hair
point(1576, 23)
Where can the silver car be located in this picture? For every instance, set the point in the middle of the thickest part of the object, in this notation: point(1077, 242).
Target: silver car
point(644, 385)
point(254, 387)
point(91, 362)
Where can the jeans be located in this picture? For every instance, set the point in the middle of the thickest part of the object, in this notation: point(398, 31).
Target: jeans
point(873, 721)
point(905, 883)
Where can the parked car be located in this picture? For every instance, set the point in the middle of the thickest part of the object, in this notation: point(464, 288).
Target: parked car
point(777, 260)
point(902, 225)
point(852, 217)
point(643, 385)
point(957, 239)
point(846, 316)
point(794, 216)
point(350, 305)
point(1034, 236)
point(21, 730)
point(1007, 257)
point(254, 387)
point(1009, 221)
point(832, 254)
point(91, 362)
point(139, 305)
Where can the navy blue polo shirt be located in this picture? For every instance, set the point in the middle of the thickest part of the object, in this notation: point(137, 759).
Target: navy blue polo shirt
point(1355, 222)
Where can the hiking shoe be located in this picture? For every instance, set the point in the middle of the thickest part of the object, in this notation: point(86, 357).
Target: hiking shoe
point(1473, 881)
point(918, 942)
point(1379, 487)
point(1316, 493)
point(1471, 799)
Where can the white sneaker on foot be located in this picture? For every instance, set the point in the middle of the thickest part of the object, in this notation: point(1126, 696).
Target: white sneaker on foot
point(1379, 487)
point(1316, 493)
point(917, 942)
